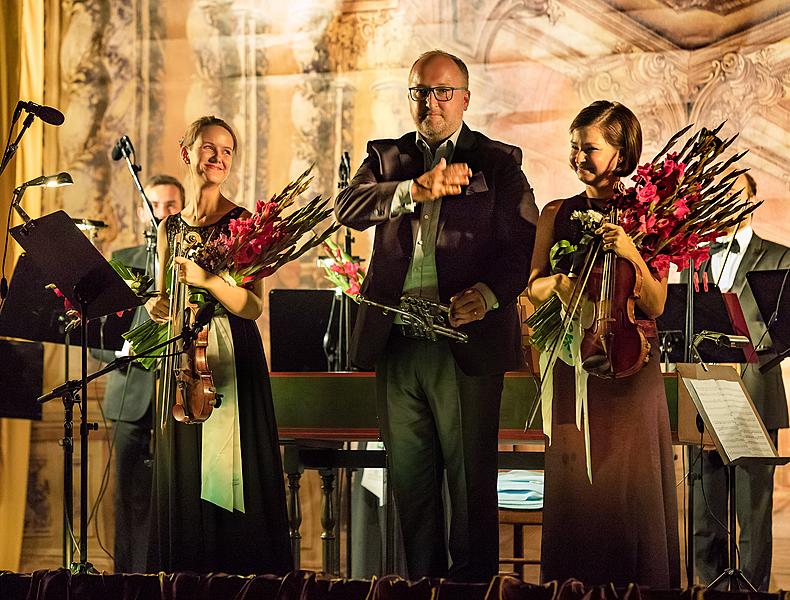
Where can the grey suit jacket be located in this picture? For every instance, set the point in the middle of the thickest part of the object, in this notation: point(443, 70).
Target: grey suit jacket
point(128, 393)
point(767, 390)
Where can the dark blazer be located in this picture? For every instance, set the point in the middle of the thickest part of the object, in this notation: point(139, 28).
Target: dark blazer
point(766, 390)
point(484, 235)
point(137, 382)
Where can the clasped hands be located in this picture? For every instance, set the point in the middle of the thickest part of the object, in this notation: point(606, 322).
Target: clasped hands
point(442, 180)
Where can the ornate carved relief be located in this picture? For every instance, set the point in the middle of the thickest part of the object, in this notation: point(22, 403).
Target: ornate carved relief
point(737, 86)
point(722, 7)
point(84, 94)
point(477, 35)
point(651, 85)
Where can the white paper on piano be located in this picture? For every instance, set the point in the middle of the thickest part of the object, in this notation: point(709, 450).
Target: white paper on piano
point(734, 421)
point(374, 480)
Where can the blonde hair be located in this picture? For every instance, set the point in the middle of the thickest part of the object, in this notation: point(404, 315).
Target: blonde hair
point(194, 129)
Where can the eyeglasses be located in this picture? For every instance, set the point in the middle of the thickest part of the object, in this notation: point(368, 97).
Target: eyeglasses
point(441, 92)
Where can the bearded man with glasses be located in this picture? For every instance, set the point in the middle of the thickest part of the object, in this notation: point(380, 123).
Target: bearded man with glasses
point(455, 222)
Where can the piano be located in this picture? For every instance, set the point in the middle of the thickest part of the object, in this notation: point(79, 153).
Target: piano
point(318, 412)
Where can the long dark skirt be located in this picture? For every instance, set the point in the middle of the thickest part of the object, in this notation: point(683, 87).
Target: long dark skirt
point(190, 534)
point(622, 528)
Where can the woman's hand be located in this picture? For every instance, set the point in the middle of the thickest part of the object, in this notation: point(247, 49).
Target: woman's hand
point(617, 240)
point(563, 287)
point(191, 274)
point(159, 308)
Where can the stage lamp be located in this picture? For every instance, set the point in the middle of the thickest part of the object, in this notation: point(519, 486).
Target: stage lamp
point(58, 180)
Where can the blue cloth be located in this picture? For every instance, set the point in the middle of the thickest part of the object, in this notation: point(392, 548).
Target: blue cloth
point(522, 490)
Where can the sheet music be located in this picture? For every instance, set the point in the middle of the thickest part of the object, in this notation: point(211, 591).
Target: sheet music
point(733, 420)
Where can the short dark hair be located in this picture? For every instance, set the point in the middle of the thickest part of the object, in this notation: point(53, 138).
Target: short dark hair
point(751, 185)
point(435, 53)
point(162, 179)
point(620, 128)
point(196, 126)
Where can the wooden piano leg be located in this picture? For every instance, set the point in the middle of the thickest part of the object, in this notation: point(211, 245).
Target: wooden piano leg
point(295, 517)
point(328, 518)
point(292, 465)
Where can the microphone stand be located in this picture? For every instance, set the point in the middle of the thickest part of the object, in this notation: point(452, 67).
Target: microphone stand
point(689, 351)
point(344, 172)
point(338, 354)
point(69, 387)
point(11, 147)
point(127, 152)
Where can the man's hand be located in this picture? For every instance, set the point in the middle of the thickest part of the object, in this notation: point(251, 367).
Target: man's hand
point(467, 306)
point(442, 180)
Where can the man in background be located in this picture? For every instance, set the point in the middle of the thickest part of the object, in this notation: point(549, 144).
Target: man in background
point(127, 401)
point(732, 256)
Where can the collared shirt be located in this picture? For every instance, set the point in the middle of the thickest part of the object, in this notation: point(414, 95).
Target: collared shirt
point(421, 278)
point(724, 272)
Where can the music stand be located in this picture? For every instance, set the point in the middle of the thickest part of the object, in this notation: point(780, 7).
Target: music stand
point(32, 312)
point(688, 311)
point(68, 259)
point(768, 289)
point(740, 437)
point(298, 322)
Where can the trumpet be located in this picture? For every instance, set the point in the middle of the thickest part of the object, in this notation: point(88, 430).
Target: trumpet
point(423, 317)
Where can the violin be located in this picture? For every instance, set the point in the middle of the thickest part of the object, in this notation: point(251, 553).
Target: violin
point(614, 345)
point(188, 371)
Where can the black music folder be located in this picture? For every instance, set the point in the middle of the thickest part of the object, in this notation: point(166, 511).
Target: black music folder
point(68, 259)
point(33, 312)
point(710, 314)
point(771, 291)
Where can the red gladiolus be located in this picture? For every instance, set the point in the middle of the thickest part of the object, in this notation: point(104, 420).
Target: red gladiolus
point(661, 264)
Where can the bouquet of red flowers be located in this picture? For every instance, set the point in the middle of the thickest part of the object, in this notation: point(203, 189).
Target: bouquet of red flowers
point(680, 201)
point(342, 270)
point(254, 248)
point(258, 245)
point(683, 200)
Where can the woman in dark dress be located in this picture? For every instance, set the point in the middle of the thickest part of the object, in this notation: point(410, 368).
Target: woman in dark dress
point(218, 498)
point(614, 520)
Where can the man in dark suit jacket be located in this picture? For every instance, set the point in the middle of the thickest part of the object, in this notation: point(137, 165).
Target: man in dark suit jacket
point(754, 483)
point(455, 222)
point(127, 402)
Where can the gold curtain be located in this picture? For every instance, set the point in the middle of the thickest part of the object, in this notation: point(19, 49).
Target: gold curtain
point(21, 76)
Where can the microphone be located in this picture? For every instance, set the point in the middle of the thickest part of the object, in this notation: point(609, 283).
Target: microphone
point(204, 315)
point(725, 340)
point(123, 147)
point(47, 114)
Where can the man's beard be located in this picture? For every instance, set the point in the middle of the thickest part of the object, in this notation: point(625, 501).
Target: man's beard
point(432, 130)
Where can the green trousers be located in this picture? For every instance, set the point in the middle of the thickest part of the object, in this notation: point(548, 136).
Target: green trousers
point(438, 422)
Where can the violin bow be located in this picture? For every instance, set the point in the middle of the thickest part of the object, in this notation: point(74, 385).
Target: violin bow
point(567, 320)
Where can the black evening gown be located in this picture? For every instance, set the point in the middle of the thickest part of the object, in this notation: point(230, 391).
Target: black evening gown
point(190, 534)
point(622, 527)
